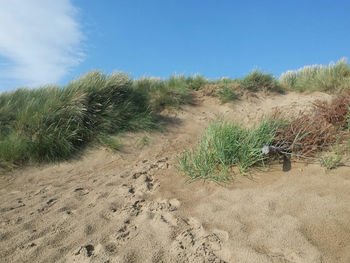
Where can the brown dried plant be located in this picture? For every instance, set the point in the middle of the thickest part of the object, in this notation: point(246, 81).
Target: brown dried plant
point(310, 132)
point(336, 111)
point(305, 134)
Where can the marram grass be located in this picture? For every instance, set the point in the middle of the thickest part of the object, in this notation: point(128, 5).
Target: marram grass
point(52, 123)
point(225, 145)
point(169, 93)
point(332, 78)
point(259, 81)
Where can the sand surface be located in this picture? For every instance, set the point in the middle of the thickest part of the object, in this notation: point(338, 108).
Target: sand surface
point(133, 206)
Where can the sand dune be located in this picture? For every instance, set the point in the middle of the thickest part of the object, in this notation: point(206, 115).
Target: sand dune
point(133, 206)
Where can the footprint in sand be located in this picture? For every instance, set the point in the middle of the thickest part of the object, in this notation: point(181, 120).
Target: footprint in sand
point(48, 204)
point(86, 251)
point(80, 191)
point(51, 202)
point(194, 243)
point(128, 231)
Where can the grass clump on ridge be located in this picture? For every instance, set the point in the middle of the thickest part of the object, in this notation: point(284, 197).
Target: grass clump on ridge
point(169, 93)
point(51, 123)
point(225, 145)
point(227, 89)
point(226, 92)
point(196, 82)
point(332, 78)
point(259, 81)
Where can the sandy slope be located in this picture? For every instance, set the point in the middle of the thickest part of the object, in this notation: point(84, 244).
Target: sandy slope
point(133, 206)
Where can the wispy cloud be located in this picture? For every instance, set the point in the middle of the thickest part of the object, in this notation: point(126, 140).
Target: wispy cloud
point(39, 41)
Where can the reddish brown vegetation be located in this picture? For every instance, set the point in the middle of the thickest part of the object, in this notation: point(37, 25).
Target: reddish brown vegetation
point(311, 132)
point(336, 111)
point(306, 134)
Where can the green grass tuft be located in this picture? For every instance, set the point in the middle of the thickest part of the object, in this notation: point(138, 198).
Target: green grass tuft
point(196, 82)
point(226, 92)
point(145, 141)
point(169, 93)
point(225, 145)
point(331, 161)
point(259, 81)
point(110, 142)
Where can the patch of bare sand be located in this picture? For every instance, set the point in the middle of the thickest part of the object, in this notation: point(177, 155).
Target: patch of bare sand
point(298, 216)
point(133, 206)
point(258, 104)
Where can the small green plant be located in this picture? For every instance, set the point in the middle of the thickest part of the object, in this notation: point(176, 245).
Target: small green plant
point(196, 82)
point(226, 92)
point(110, 142)
point(348, 127)
point(225, 89)
point(334, 158)
point(225, 145)
point(145, 140)
point(331, 161)
point(347, 118)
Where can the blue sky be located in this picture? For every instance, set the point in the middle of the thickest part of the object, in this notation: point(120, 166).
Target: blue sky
point(55, 41)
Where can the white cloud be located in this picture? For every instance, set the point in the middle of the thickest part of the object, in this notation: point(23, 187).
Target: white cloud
point(39, 39)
